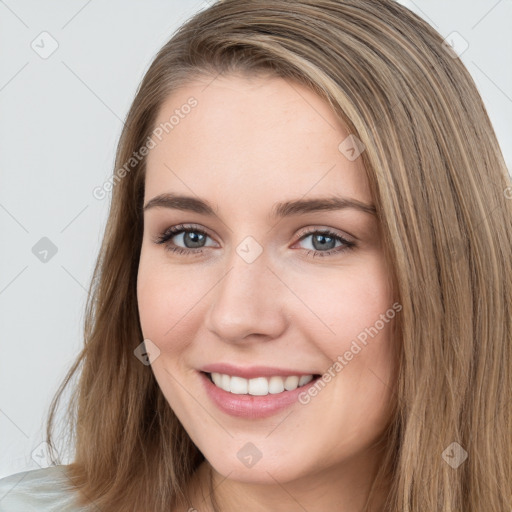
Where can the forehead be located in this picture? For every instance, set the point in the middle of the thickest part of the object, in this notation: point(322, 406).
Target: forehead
point(261, 137)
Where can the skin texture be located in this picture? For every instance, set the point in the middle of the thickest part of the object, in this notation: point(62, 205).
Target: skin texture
point(251, 142)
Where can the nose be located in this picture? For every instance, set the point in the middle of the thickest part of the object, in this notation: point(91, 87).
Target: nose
point(249, 301)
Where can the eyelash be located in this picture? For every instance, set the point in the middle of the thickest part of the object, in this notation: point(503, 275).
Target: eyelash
point(181, 228)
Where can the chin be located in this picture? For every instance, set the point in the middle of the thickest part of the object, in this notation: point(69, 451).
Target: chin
point(266, 470)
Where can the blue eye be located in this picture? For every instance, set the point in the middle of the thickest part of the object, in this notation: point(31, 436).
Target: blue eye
point(194, 238)
point(325, 239)
point(191, 236)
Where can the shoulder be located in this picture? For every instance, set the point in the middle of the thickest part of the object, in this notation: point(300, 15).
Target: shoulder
point(41, 490)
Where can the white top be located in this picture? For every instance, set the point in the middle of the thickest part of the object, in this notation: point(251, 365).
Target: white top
point(39, 490)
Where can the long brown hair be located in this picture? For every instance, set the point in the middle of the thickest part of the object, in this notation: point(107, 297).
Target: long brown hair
point(439, 183)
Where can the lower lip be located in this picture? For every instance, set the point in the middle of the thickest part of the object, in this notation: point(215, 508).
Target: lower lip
point(250, 406)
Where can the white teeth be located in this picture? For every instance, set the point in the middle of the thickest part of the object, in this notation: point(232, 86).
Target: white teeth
point(259, 386)
point(224, 383)
point(238, 385)
point(305, 379)
point(275, 385)
point(291, 383)
point(217, 379)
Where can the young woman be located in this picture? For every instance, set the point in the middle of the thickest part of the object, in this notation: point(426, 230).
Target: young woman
point(303, 299)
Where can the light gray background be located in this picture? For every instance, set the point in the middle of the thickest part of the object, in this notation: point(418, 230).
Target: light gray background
point(60, 119)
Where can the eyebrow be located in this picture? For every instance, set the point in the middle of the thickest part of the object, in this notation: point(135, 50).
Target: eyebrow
point(279, 210)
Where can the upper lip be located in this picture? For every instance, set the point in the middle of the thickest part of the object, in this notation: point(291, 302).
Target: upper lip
point(250, 372)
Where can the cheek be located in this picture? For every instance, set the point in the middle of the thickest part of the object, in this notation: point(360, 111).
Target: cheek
point(159, 309)
point(347, 303)
point(357, 306)
point(169, 301)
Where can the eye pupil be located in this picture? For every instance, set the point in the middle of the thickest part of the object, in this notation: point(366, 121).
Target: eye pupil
point(193, 238)
point(322, 244)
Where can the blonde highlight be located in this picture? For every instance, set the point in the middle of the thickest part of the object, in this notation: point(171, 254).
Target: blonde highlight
point(438, 179)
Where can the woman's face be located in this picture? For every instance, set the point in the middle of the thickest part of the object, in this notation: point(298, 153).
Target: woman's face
point(256, 292)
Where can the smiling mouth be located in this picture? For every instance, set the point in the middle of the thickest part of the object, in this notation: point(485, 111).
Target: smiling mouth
point(259, 386)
